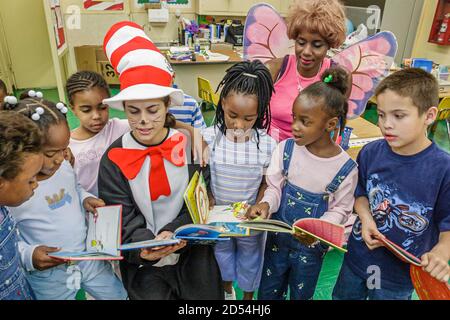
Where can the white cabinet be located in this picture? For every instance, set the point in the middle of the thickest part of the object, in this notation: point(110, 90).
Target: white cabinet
point(232, 7)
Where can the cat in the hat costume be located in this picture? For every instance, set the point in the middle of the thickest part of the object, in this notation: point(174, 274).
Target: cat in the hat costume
point(147, 172)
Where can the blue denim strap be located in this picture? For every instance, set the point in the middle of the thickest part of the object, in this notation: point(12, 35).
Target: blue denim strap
point(341, 175)
point(287, 156)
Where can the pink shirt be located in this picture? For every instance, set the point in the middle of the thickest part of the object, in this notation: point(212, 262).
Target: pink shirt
point(287, 89)
point(88, 153)
point(313, 174)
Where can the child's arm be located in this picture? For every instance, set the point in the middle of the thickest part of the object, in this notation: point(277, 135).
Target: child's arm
point(262, 190)
point(369, 228)
point(35, 257)
point(435, 262)
point(274, 180)
point(198, 144)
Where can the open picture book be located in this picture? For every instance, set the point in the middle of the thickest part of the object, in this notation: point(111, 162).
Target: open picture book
point(103, 237)
point(427, 287)
point(225, 218)
point(324, 231)
point(192, 233)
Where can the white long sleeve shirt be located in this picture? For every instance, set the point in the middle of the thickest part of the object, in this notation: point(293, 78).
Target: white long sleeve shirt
point(53, 217)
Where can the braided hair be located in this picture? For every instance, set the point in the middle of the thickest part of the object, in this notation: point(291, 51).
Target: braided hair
point(332, 90)
point(31, 106)
point(83, 81)
point(247, 78)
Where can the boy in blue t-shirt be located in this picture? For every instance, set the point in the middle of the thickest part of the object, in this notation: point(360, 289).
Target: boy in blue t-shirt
point(403, 194)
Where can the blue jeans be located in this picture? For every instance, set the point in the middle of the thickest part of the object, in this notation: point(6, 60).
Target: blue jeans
point(350, 286)
point(60, 283)
point(13, 285)
point(288, 263)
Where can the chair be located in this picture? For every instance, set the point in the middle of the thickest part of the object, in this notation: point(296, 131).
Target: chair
point(443, 115)
point(206, 93)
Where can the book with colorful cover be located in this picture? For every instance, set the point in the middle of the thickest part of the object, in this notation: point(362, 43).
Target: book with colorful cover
point(427, 287)
point(329, 233)
point(103, 237)
point(225, 218)
point(192, 233)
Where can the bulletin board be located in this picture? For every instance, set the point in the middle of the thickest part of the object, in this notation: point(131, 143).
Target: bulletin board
point(58, 26)
point(104, 5)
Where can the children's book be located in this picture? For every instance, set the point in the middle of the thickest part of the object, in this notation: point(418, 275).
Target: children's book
point(192, 233)
point(225, 218)
point(427, 287)
point(103, 237)
point(324, 231)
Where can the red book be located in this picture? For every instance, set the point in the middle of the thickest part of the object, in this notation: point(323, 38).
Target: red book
point(427, 287)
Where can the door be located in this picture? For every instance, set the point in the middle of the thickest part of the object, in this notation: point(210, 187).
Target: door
point(6, 73)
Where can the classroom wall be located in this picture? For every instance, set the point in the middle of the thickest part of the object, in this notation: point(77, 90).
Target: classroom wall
point(94, 25)
point(422, 48)
point(27, 40)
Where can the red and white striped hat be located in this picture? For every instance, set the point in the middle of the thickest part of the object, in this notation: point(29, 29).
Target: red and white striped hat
point(143, 70)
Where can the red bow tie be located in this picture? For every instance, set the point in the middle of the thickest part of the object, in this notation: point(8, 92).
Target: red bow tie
point(130, 162)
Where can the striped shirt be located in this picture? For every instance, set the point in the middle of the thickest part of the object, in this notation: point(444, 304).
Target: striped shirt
point(189, 113)
point(237, 169)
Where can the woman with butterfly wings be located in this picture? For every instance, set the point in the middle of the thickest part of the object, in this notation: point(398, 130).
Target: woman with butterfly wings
point(296, 55)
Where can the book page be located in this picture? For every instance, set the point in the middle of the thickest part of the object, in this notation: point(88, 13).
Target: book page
point(267, 225)
point(104, 231)
point(322, 230)
point(149, 244)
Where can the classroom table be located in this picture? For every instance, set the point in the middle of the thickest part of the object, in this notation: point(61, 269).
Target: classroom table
point(364, 132)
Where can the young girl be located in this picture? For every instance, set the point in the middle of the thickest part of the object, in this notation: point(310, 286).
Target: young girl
point(55, 218)
point(309, 177)
point(20, 161)
point(315, 26)
point(146, 171)
point(240, 153)
point(86, 91)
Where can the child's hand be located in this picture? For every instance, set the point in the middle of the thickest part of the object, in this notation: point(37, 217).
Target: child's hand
point(200, 148)
point(304, 238)
point(258, 210)
point(435, 263)
point(370, 234)
point(212, 201)
point(41, 260)
point(68, 156)
point(90, 204)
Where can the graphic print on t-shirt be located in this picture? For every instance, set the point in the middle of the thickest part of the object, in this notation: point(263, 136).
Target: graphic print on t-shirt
point(57, 201)
point(393, 210)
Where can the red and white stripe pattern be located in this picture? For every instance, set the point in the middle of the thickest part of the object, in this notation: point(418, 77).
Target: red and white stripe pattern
point(134, 56)
point(116, 5)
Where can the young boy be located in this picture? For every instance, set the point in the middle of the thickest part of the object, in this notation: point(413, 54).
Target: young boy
point(403, 194)
point(20, 161)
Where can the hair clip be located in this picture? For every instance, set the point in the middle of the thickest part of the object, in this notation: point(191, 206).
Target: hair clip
point(35, 94)
point(61, 107)
point(10, 100)
point(37, 115)
point(328, 78)
point(250, 75)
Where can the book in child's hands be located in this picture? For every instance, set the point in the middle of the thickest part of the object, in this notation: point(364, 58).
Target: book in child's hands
point(225, 218)
point(322, 230)
point(427, 287)
point(103, 237)
point(193, 233)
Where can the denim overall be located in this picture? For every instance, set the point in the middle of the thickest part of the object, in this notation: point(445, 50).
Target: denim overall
point(13, 285)
point(287, 262)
